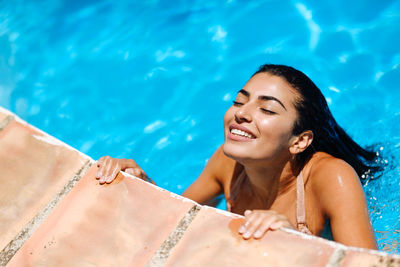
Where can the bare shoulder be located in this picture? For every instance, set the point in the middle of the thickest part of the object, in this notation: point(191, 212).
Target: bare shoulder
point(340, 196)
point(326, 169)
point(333, 180)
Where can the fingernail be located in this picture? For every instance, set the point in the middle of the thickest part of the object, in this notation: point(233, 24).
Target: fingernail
point(275, 225)
point(246, 235)
point(257, 234)
point(242, 229)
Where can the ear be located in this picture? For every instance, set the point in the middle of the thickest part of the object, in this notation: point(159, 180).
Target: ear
point(301, 142)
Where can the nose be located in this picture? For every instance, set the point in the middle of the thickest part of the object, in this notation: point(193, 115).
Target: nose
point(242, 115)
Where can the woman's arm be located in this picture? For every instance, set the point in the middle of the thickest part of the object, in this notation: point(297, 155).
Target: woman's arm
point(204, 189)
point(210, 182)
point(342, 199)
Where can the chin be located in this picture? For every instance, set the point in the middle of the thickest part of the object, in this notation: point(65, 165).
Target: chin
point(237, 152)
point(248, 153)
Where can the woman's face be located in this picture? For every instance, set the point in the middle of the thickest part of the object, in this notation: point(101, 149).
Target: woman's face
point(258, 126)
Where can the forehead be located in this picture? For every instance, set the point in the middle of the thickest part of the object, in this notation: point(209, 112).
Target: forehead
point(271, 85)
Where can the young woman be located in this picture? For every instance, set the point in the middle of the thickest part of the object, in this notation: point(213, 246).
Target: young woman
point(285, 162)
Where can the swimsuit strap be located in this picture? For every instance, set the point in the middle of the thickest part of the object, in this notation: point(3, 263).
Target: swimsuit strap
point(301, 211)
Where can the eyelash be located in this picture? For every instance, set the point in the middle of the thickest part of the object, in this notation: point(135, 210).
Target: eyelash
point(235, 103)
point(267, 111)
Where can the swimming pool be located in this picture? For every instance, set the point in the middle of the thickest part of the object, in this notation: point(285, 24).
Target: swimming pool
point(151, 80)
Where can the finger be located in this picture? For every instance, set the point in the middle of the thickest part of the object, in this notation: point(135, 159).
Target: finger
point(265, 226)
point(105, 170)
point(281, 222)
point(276, 225)
point(99, 173)
point(100, 161)
point(243, 227)
point(137, 172)
point(128, 164)
point(253, 223)
point(110, 169)
point(130, 171)
point(114, 174)
point(102, 165)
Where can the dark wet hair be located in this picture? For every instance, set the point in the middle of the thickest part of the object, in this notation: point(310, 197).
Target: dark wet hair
point(314, 114)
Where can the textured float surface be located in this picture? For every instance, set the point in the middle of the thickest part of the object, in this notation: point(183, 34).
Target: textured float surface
point(212, 239)
point(34, 168)
point(55, 213)
point(121, 224)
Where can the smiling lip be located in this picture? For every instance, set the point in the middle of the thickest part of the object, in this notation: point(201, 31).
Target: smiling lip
point(238, 137)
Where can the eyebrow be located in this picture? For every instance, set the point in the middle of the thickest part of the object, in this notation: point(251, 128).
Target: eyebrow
point(262, 97)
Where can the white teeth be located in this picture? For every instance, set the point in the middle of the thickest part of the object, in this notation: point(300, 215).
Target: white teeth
point(241, 133)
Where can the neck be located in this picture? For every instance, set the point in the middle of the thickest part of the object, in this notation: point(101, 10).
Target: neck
point(268, 181)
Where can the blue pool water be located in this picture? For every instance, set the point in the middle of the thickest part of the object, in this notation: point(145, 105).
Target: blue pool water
point(151, 80)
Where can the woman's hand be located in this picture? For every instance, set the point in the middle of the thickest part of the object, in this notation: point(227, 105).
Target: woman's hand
point(258, 222)
point(110, 167)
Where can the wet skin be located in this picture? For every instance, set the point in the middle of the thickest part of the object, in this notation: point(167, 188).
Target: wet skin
point(259, 141)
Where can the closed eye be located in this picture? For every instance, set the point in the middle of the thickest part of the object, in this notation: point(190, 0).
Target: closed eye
point(267, 111)
point(235, 103)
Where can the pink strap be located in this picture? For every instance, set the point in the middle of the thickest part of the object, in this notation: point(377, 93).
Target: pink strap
point(301, 211)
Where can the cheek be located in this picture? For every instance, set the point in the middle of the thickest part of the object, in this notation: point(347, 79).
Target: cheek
point(276, 128)
point(229, 115)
